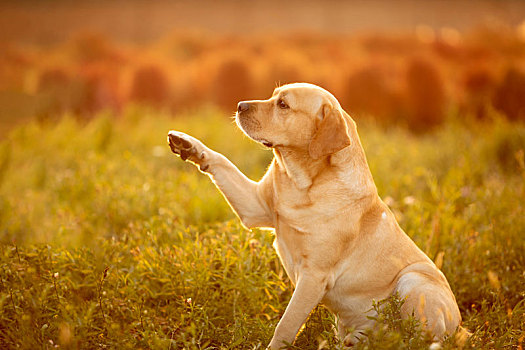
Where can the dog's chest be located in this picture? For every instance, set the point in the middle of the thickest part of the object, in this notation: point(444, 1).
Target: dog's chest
point(295, 215)
point(305, 211)
point(297, 228)
point(305, 219)
point(291, 249)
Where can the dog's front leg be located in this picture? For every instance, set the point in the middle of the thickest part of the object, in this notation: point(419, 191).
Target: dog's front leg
point(240, 192)
point(309, 291)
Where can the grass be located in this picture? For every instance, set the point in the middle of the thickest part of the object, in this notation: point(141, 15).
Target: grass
point(109, 241)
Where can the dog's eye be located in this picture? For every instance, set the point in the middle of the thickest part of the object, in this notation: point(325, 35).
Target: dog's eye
point(282, 104)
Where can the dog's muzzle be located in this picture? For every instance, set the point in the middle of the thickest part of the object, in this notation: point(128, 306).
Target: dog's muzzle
point(248, 123)
point(243, 107)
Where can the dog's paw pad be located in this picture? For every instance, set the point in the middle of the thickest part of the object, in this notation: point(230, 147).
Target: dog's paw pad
point(186, 144)
point(185, 154)
point(180, 145)
point(188, 148)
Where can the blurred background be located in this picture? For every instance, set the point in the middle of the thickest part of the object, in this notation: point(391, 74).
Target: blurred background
point(411, 63)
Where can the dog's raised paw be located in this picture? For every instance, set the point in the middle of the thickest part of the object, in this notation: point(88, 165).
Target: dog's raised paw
point(188, 148)
point(181, 145)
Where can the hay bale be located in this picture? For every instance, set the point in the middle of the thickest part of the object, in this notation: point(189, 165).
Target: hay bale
point(150, 85)
point(425, 92)
point(509, 97)
point(232, 83)
point(368, 91)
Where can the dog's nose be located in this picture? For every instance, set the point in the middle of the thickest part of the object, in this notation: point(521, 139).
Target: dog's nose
point(243, 107)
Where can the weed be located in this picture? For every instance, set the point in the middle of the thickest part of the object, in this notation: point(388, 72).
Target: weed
point(121, 245)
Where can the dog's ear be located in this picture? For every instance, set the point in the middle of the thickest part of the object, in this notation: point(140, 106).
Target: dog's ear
point(331, 134)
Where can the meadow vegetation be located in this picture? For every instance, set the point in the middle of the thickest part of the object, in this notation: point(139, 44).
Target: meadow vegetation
point(109, 241)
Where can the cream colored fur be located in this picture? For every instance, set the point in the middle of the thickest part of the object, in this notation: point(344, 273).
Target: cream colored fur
point(339, 243)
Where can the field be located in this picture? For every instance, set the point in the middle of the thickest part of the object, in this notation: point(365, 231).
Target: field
point(110, 241)
point(107, 240)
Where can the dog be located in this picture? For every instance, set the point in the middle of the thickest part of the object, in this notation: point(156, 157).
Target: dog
point(338, 242)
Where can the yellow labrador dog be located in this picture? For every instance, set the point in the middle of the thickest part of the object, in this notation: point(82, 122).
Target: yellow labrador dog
point(339, 243)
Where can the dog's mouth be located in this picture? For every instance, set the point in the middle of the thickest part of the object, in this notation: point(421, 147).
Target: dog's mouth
point(251, 126)
point(266, 143)
point(248, 123)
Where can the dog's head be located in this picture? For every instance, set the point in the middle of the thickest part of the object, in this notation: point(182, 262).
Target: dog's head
point(301, 116)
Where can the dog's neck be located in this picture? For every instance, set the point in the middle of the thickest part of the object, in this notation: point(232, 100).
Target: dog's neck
point(302, 170)
point(298, 165)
